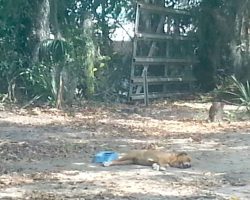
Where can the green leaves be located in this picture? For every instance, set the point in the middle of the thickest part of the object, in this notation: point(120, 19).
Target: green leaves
point(242, 93)
point(53, 50)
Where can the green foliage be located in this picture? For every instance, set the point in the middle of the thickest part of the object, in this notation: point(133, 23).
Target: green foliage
point(208, 44)
point(91, 65)
point(15, 44)
point(222, 35)
point(112, 81)
point(53, 51)
point(241, 93)
point(53, 55)
point(106, 71)
point(18, 19)
point(234, 91)
point(38, 81)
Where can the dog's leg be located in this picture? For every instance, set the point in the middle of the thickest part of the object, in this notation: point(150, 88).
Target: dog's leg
point(158, 167)
point(127, 159)
point(118, 162)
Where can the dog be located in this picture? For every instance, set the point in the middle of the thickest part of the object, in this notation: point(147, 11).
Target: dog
point(159, 160)
point(216, 111)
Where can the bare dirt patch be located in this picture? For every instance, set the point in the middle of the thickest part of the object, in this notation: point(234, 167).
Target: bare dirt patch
point(46, 153)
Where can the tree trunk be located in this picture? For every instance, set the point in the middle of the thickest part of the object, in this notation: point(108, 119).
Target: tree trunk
point(41, 28)
point(89, 56)
point(55, 28)
point(70, 82)
point(240, 44)
point(57, 69)
point(59, 98)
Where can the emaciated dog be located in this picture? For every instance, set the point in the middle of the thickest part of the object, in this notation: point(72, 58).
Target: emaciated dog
point(159, 160)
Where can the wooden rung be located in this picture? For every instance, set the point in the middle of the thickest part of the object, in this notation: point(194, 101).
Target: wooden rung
point(137, 80)
point(163, 10)
point(157, 95)
point(155, 61)
point(158, 36)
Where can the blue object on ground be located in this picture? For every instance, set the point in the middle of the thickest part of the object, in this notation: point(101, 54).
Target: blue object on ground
point(105, 156)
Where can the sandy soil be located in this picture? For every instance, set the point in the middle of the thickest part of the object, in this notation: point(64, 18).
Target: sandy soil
point(46, 153)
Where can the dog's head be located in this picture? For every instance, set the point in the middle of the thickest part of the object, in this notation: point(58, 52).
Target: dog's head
point(182, 161)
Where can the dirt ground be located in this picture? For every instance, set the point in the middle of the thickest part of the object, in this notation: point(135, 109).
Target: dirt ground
point(47, 154)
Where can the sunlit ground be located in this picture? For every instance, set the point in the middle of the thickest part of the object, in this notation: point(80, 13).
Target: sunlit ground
point(47, 154)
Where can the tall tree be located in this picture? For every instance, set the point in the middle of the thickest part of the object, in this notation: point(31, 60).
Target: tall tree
point(239, 44)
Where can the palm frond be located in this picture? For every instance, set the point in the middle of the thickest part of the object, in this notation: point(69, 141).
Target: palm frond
point(53, 50)
point(242, 93)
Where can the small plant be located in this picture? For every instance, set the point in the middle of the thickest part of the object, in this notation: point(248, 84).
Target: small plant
point(241, 92)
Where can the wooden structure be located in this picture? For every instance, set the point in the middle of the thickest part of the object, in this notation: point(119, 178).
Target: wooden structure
point(163, 51)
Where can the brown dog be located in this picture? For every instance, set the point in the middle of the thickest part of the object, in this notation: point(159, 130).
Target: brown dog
point(216, 111)
point(157, 159)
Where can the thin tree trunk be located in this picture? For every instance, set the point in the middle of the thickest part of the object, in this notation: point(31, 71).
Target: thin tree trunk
point(57, 74)
point(240, 44)
point(41, 29)
point(55, 28)
point(89, 56)
point(60, 92)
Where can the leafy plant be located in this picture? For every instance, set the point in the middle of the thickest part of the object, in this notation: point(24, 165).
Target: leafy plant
point(39, 81)
point(54, 53)
point(53, 50)
point(241, 93)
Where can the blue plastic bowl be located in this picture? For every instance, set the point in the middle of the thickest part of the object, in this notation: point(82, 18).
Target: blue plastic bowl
point(105, 156)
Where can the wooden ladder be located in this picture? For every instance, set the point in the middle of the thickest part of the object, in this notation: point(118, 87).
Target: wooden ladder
point(139, 84)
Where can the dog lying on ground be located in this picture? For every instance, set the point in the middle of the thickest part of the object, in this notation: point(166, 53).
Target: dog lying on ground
point(159, 160)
